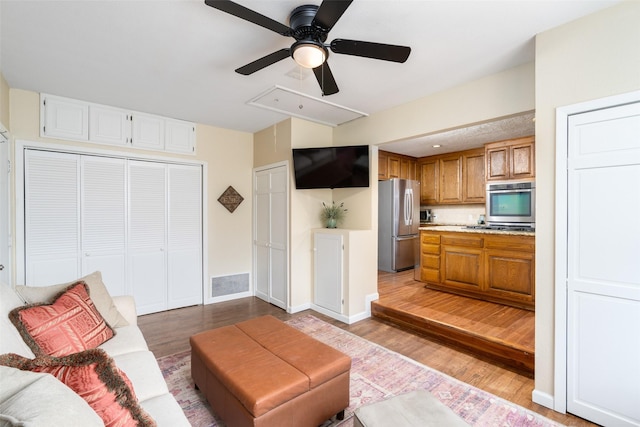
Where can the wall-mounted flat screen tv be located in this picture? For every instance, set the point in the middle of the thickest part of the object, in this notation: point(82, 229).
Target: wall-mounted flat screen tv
point(331, 167)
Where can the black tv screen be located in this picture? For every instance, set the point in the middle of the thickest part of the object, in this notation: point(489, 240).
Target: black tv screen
point(331, 167)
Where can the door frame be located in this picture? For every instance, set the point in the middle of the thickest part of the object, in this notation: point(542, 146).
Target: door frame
point(561, 229)
point(6, 238)
point(254, 275)
point(18, 163)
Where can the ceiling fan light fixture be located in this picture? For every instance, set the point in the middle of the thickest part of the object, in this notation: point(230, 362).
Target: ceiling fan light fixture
point(309, 54)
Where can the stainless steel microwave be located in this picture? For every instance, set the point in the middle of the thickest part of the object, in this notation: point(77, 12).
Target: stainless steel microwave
point(511, 203)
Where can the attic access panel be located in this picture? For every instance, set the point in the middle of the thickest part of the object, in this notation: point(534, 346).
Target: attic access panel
point(298, 104)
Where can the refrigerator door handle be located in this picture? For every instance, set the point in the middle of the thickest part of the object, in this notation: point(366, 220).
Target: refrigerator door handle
point(408, 206)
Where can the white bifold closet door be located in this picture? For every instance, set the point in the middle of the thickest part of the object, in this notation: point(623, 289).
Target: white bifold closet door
point(138, 222)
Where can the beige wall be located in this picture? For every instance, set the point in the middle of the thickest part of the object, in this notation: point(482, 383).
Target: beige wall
point(591, 58)
point(4, 101)
point(498, 95)
point(229, 157)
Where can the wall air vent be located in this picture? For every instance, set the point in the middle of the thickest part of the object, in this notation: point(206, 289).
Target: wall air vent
point(297, 104)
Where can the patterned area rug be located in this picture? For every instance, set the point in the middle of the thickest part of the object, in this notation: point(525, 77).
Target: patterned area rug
point(376, 374)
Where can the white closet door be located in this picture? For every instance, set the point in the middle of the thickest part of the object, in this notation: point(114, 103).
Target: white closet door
point(147, 236)
point(603, 253)
point(52, 217)
point(270, 232)
point(104, 220)
point(278, 238)
point(261, 241)
point(184, 236)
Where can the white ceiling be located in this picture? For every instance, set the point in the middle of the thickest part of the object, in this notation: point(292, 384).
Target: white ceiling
point(177, 58)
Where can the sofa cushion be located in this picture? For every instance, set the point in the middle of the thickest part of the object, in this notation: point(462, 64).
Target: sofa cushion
point(68, 325)
point(10, 339)
point(32, 399)
point(128, 339)
point(93, 375)
point(143, 370)
point(97, 290)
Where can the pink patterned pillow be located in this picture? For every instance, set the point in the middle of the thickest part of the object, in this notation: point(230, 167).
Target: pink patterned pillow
point(68, 325)
point(92, 375)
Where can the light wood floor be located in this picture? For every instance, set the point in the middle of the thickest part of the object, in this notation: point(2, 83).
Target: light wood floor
point(168, 332)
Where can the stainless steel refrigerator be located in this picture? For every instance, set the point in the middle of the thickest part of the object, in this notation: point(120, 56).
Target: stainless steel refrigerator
point(398, 223)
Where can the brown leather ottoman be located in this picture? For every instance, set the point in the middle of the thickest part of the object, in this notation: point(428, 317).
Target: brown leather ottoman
point(262, 372)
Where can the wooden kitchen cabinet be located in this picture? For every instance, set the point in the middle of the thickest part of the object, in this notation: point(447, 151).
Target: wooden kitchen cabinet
point(510, 159)
point(492, 267)
point(452, 179)
point(473, 183)
point(429, 181)
point(392, 165)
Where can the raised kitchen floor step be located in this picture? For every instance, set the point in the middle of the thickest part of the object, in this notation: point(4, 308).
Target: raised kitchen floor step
point(502, 334)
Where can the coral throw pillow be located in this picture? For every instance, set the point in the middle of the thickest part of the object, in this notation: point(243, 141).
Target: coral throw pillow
point(93, 375)
point(68, 325)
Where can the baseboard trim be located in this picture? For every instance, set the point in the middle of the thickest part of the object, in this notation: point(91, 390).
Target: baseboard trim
point(544, 399)
point(298, 308)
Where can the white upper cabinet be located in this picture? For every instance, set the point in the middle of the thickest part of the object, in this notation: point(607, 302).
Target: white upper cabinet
point(147, 131)
point(64, 118)
point(109, 125)
point(180, 136)
point(84, 121)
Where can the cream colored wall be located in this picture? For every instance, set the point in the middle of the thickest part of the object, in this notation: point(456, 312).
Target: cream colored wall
point(229, 156)
point(591, 58)
point(4, 101)
point(498, 95)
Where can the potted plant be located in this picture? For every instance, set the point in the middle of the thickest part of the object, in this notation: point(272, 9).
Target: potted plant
point(332, 214)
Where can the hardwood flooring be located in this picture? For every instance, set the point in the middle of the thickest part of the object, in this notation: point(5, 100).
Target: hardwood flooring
point(168, 332)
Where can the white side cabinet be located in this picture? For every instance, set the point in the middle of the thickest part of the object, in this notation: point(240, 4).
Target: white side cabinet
point(328, 283)
point(109, 125)
point(147, 131)
point(179, 136)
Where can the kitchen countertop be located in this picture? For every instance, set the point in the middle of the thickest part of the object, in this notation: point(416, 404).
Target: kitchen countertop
point(463, 229)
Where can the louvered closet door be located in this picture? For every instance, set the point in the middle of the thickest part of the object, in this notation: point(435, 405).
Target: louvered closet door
point(147, 235)
point(185, 236)
point(52, 217)
point(104, 223)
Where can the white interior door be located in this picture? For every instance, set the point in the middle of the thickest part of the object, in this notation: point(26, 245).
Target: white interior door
point(271, 221)
point(103, 220)
point(603, 266)
point(184, 238)
point(52, 217)
point(5, 212)
point(147, 235)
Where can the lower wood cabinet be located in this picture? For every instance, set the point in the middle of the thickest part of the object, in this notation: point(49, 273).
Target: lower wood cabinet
point(498, 268)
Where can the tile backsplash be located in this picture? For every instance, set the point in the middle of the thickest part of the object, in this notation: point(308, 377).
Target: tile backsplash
point(457, 215)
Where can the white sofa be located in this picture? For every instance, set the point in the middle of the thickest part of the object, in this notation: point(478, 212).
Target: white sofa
point(20, 389)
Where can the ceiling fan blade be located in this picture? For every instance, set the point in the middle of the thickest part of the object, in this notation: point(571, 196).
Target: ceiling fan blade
point(263, 62)
point(249, 15)
point(329, 12)
point(325, 79)
point(385, 52)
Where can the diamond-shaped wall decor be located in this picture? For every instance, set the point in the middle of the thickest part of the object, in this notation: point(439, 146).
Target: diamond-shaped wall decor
point(230, 199)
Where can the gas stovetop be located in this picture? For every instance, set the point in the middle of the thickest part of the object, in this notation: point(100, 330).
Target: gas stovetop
point(501, 227)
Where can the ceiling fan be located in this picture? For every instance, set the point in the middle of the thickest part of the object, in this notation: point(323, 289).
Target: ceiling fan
point(309, 25)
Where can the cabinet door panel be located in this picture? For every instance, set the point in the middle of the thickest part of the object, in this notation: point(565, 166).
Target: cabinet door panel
point(109, 125)
point(394, 167)
point(328, 271)
point(429, 182)
point(522, 161)
point(147, 131)
point(510, 274)
point(497, 163)
point(473, 186)
point(64, 118)
point(463, 268)
point(451, 180)
point(180, 136)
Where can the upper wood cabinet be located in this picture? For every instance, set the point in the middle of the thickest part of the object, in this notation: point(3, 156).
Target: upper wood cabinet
point(392, 165)
point(455, 178)
point(510, 159)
